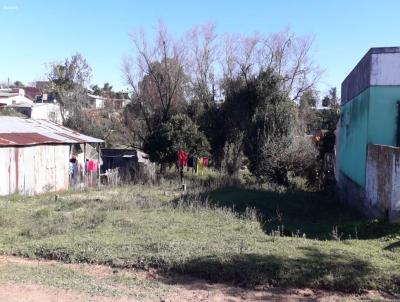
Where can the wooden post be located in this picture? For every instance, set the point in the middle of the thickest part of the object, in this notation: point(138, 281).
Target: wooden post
point(84, 165)
point(98, 164)
point(69, 175)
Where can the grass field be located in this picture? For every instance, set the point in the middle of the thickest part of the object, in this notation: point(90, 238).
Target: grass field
point(312, 214)
point(93, 283)
point(145, 227)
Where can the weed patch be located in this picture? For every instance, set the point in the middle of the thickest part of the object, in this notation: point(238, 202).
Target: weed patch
point(227, 235)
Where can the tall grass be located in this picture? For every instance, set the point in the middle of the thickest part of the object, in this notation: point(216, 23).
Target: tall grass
point(159, 227)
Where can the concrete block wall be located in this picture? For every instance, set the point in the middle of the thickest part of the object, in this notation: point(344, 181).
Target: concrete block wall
point(351, 193)
point(382, 190)
point(378, 67)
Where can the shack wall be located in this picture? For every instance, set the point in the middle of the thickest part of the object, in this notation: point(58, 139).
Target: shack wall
point(33, 170)
point(47, 111)
point(383, 181)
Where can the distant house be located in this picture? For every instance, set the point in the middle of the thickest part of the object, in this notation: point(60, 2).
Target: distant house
point(133, 165)
point(32, 93)
point(47, 111)
point(43, 86)
point(101, 102)
point(35, 155)
point(368, 153)
point(116, 104)
point(12, 96)
point(95, 101)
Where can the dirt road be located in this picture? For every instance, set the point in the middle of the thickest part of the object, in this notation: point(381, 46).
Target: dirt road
point(39, 280)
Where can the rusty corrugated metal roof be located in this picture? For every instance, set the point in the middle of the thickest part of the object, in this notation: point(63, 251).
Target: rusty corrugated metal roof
point(18, 139)
point(67, 136)
point(18, 131)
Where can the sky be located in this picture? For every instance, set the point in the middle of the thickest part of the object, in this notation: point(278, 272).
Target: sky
point(35, 33)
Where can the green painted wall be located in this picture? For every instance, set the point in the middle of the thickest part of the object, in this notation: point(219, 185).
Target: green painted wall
point(353, 137)
point(369, 118)
point(382, 123)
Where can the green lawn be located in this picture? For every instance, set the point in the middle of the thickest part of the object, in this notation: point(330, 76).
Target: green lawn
point(141, 227)
point(314, 214)
point(115, 284)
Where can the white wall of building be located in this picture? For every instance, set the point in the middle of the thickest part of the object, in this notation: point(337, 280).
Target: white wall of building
point(33, 170)
point(47, 111)
point(99, 103)
point(12, 100)
point(383, 180)
point(385, 69)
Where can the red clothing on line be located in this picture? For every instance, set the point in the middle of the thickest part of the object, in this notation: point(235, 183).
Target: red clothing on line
point(95, 166)
point(205, 161)
point(91, 165)
point(183, 158)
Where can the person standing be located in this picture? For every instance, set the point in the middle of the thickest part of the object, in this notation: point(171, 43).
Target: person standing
point(73, 172)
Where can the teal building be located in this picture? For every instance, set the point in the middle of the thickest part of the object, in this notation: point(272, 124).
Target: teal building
point(370, 97)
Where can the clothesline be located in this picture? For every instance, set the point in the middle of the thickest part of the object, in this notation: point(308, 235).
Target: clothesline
point(192, 161)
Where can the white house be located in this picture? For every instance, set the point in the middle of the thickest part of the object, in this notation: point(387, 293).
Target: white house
point(46, 111)
point(95, 101)
point(12, 96)
point(100, 102)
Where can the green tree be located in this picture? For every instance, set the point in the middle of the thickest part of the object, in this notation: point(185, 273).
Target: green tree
point(309, 98)
point(315, 119)
point(68, 81)
point(331, 99)
point(180, 132)
point(261, 112)
point(273, 132)
point(158, 81)
point(96, 89)
point(18, 84)
point(107, 90)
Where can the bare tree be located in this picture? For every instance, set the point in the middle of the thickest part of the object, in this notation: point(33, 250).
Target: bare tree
point(290, 57)
point(156, 77)
point(202, 58)
point(240, 56)
point(286, 54)
point(228, 57)
point(247, 55)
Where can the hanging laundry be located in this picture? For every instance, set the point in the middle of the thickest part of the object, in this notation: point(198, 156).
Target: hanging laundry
point(200, 165)
point(81, 163)
point(191, 161)
point(71, 169)
point(87, 165)
point(95, 165)
point(90, 166)
point(183, 158)
point(205, 161)
point(195, 159)
point(81, 169)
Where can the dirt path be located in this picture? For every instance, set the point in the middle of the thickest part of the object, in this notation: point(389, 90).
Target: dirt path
point(41, 280)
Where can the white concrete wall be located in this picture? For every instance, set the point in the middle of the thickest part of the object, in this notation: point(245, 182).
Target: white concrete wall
point(383, 181)
point(18, 99)
point(48, 111)
point(395, 194)
point(99, 103)
point(385, 69)
point(34, 169)
point(372, 182)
